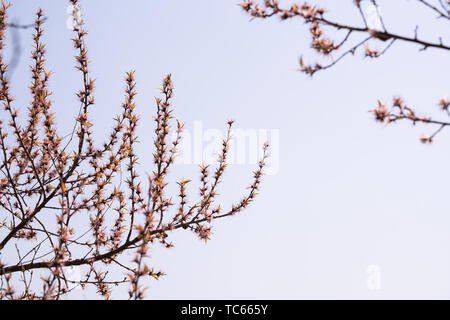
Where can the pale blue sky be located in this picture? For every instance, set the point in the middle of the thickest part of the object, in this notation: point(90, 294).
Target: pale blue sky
point(349, 193)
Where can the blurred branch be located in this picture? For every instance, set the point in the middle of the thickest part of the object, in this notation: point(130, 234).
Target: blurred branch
point(16, 44)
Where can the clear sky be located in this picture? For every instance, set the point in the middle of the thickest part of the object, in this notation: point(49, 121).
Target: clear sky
point(348, 193)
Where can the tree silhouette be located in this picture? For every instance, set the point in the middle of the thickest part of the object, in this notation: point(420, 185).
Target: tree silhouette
point(65, 202)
